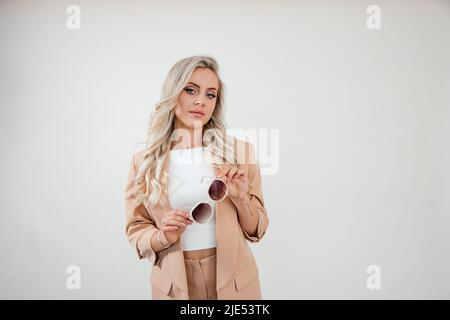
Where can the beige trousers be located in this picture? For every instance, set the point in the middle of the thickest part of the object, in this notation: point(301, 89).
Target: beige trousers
point(201, 278)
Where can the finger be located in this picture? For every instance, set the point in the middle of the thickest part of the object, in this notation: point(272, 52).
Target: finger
point(169, 228)
point(189, 220)
point(173, 222)
point(168, 216)
point(183, 219)
point(177, 212)
point(182, 213)
point(173, 217)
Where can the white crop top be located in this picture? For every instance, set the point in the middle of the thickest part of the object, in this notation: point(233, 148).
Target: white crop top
point(186, 169)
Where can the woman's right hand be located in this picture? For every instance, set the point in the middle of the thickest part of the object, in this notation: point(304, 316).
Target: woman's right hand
point(174, 223)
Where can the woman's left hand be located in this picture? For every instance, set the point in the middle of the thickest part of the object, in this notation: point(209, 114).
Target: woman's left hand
point(237, 182)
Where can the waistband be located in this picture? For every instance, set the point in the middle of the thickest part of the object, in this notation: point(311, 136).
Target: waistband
point(203, 261)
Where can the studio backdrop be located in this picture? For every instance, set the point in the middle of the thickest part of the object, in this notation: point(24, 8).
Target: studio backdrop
point(347, 104)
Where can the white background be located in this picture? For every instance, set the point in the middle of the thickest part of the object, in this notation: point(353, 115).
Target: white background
point(363, 116)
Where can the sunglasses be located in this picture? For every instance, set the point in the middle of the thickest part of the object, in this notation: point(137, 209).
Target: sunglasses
point(217, 191)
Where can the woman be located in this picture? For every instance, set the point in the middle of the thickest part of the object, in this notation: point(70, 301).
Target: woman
point(165, 193)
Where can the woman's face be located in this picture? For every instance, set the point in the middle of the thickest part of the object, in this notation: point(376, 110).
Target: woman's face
point(197, 101)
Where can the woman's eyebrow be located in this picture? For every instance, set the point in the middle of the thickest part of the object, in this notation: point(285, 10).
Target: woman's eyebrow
point(199, 86)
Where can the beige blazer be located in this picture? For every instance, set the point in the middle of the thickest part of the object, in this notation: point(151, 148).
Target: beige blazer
point(237, 271)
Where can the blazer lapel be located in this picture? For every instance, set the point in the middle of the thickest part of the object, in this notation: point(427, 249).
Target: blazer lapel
point(226, 241)
point(175, 254)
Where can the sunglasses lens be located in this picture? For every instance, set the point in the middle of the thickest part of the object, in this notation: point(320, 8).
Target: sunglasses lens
point(202, 212)
point(217, 190)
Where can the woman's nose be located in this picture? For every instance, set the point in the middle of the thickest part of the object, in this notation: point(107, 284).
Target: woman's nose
point(199, 102)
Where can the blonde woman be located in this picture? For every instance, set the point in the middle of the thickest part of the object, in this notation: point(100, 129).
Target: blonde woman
point(193, 197)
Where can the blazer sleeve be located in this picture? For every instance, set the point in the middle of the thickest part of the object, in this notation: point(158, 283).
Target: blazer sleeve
point(140, 226)
point(256, 200)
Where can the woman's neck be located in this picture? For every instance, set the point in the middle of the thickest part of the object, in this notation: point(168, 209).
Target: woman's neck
point(190, 137)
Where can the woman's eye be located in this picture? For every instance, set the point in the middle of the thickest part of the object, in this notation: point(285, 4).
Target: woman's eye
point(189, 90)
point(211, 96)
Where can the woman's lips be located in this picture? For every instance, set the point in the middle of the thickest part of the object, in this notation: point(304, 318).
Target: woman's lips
point(196, 114)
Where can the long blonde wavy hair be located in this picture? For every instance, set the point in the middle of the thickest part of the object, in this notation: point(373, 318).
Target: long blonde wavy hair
point(151, 182)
